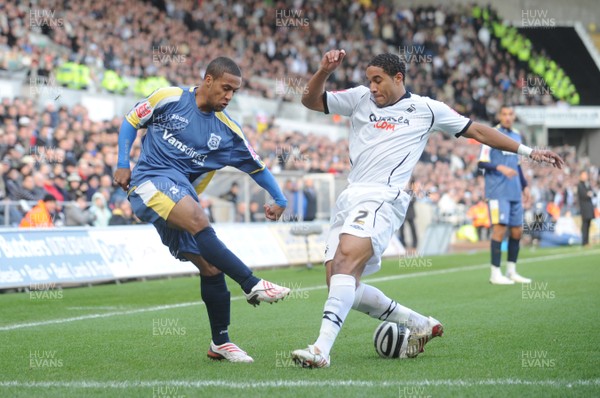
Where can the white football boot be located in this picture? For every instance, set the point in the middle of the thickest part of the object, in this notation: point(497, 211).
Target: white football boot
point(267, 292)
point(229, 352)
point(511, 273)
point(422, 334)
point(497, 278)
point(310, 357)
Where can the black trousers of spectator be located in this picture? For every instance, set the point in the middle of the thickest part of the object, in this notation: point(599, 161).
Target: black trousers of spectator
point(483, 233)
point(413, 232)
point(585, 231)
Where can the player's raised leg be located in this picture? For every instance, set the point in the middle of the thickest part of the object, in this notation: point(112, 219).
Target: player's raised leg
point(346, 267)
point(373, 302)
point(187, 215)
point(216, 297)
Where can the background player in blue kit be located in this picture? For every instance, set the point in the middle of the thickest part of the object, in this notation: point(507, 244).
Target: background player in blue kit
point(505, 186)
point(188, 137)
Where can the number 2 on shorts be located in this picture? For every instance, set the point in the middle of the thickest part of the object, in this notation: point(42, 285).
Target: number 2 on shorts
point(361, 214)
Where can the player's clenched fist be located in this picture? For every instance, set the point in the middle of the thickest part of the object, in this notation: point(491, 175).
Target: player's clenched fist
point(122, 178)
point(332, 59)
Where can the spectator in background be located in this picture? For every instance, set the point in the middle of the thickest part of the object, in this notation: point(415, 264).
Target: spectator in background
point(93, 185)
point(122, 214)
point(100, 210)
point(14, 186)
point(255, 213)
point(206, 205)
point(59, 185)
point(289, 191)
point(480, 216)
point(77, 213)
point(240, 212)
point(310, 200)
point(39, 186)
point(585, 195)
point(410, 220)
point(73, 185)
point(232, 194)
point(49, 187)
point(40, 216)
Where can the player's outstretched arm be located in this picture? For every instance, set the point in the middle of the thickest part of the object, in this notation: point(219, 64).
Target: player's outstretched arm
point(312, 97)
point(492, 137)
point(127, 135)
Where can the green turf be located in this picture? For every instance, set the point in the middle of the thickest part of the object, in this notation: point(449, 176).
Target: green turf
point(499, 341)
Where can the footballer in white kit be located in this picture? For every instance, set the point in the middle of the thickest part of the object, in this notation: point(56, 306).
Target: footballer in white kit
point(389, 130)
point(385, 145)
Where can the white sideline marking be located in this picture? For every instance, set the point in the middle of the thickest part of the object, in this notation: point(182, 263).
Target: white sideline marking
point(97, 307)
point(16, 326)
point(297, 383)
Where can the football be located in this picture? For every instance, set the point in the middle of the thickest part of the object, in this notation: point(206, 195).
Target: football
point(391, 340)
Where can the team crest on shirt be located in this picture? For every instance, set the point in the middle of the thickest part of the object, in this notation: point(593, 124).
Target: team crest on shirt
point(214, 141)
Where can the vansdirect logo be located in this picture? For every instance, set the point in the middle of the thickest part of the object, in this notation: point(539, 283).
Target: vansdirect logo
point(197, 158)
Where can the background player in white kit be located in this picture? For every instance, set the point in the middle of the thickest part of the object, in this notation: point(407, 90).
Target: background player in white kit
point(389, 131)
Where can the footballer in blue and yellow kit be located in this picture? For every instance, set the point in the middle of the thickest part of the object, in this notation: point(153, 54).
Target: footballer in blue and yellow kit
point(181, 150)
point(188, 137)
point(504, 188)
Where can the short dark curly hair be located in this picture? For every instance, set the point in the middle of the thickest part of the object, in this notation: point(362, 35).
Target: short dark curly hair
point(390, 63)
point(221, 65)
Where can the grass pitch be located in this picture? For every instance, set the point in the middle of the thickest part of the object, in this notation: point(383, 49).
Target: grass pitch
point(149, 339)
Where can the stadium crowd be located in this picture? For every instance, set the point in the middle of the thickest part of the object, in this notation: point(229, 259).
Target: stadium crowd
point(451, 54)
point(61, 152)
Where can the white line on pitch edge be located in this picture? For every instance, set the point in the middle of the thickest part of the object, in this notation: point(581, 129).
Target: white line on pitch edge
point(370, 280)
point(295, 383)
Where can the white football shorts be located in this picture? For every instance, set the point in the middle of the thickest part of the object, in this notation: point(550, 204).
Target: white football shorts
point(367, 211)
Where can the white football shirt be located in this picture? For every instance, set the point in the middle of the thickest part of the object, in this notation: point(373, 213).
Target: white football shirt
point(386, 143)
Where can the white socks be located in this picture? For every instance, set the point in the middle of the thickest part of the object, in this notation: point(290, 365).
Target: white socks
point(373, 302)
point(344, 295)
point(495, 272)
point(337, 306)
point(511, 268)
